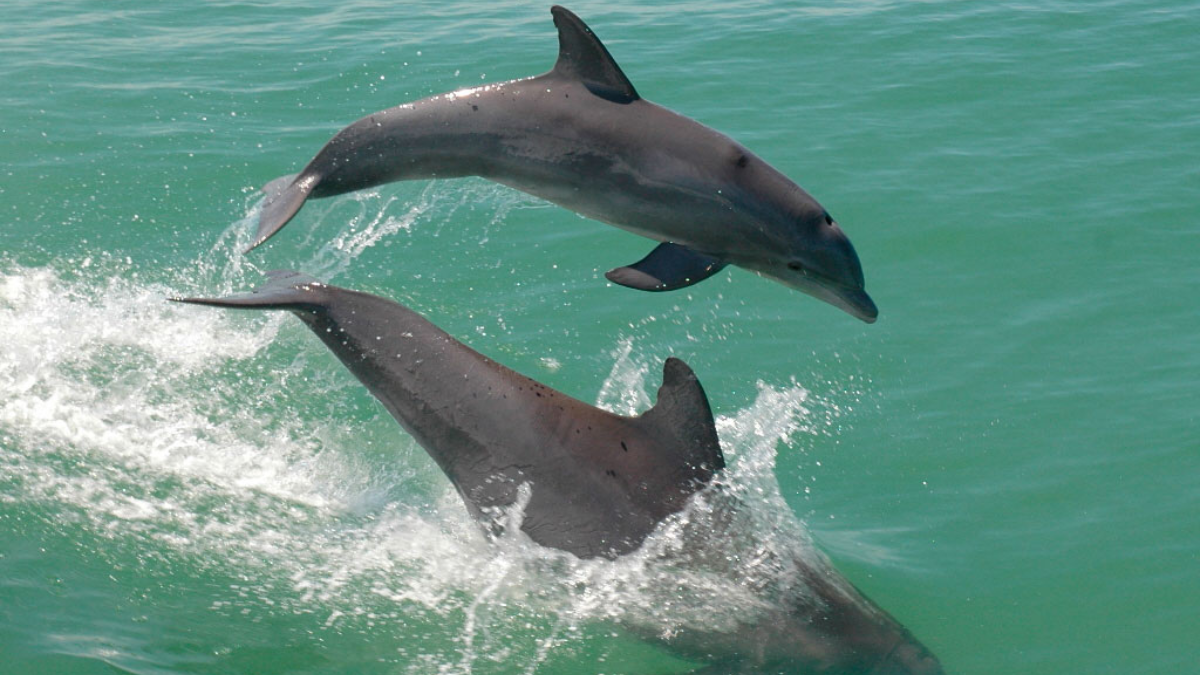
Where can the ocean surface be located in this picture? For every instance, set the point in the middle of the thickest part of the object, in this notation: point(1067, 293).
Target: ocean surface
point(1008, 461)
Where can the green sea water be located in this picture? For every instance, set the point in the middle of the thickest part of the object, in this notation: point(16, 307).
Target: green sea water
point(1008, 461)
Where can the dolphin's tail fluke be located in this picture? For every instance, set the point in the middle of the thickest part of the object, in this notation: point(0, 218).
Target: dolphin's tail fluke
point(285, 196)
point(284, 290)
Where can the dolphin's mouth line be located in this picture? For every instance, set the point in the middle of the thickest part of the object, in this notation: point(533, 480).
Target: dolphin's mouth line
point(822, 279)
point(851, 298)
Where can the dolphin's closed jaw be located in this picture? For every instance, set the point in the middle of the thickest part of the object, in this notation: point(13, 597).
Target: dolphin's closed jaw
point(850, 299)
point(857, 303)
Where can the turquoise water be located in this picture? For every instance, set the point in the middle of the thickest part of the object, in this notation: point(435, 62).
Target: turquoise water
point(1008, 461)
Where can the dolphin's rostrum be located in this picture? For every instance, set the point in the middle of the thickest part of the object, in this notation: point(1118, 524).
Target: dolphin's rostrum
point(597, 484)
point(580, 136)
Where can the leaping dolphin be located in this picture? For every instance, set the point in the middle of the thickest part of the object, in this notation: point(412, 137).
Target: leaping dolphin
point(597, 483)
point(580, 136)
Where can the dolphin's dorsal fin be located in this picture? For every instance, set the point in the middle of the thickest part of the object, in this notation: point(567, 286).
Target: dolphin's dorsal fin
point(682, 409)
point(581, 56)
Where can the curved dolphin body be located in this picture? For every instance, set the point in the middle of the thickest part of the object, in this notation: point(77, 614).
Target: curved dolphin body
point(597, 483)
point(600, 482)
point(580, 136)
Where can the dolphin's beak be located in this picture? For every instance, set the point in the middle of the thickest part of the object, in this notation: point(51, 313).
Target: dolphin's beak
point(850, 298)
point(853, 300)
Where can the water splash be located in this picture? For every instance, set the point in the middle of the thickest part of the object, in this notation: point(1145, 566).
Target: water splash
point(623, 391)
point(335, 233)
point(220, 441)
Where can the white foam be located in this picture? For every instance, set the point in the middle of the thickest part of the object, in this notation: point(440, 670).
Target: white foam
point(196, 431)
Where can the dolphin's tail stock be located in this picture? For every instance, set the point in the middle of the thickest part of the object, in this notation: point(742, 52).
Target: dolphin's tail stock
point(285, 196)
point(284, 289)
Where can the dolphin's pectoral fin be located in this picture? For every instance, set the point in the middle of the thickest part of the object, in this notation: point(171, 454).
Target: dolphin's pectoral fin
point(667, 268)
point(581, 56)
point(285, 196)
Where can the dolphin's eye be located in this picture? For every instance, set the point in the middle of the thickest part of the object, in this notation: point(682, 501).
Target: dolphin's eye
point(795, 266)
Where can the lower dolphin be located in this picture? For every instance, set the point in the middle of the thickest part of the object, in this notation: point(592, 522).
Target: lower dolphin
point(598, 484)
point(581, 137)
